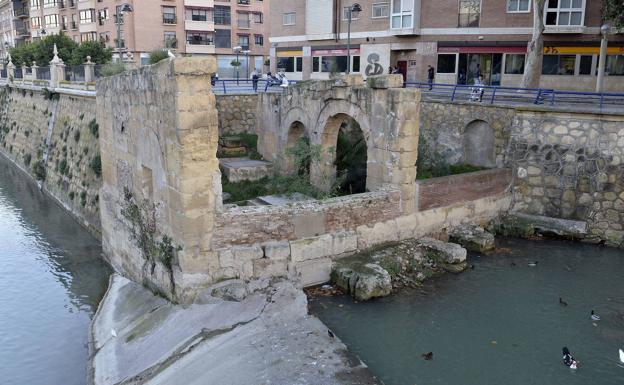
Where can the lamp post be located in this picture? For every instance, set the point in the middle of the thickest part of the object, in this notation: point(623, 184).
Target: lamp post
point(237, 50)
point(602, 61)
point(246, 52)
point(120, 11)
point(354, 9)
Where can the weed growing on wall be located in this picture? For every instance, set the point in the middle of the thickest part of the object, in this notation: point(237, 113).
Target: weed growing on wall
point(96, 165)
point(39, 170)
point(94, 128)
point(142, 218)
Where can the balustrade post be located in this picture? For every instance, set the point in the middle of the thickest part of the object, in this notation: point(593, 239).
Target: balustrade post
point(10, 70)
point(34, 70)
point(57, 70)
point(89, 70)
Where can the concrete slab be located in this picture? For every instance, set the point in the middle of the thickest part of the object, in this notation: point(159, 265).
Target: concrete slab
point(280, 200)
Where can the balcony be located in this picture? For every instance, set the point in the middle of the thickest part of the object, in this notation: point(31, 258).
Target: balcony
point(73, 25)
point(199, 3)
point(192, 25)
point(21, 13)
point(61, 4)
point(244, 2)
point(202, 49)
point(71, 3)
point(169, 19)
point(565, 29)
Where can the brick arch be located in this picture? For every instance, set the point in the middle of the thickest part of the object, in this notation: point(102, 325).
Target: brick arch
point(331, 117)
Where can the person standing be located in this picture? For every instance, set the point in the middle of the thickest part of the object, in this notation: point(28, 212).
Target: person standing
point(254, 79)
point(430, 76)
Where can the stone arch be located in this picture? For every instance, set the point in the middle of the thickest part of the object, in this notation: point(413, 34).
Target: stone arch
point(333, 115)
point(296, 131)
point(479, 144)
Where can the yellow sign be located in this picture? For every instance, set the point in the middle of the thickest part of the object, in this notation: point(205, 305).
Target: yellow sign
point(552, 50)
point(289, 53)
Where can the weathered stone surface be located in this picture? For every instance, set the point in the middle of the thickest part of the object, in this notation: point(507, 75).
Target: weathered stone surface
point(448, 252)
point(312, 272)
point(242, 169)
point(563, 227)
point(363, 281)
point(277, 250)
point(473, 238)
point(311, 248)
point(232, 290)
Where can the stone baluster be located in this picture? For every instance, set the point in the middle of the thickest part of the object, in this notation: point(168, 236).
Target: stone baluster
point(24, 70)
point(89, 70)
point(10, 69)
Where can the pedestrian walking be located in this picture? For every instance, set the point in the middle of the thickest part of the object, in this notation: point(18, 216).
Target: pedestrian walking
point(430, 77)
point(254, 79)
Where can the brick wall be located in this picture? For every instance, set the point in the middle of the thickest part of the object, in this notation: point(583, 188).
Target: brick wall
point(448, 190)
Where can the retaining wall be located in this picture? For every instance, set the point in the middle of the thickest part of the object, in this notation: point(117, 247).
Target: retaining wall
point(237, 113)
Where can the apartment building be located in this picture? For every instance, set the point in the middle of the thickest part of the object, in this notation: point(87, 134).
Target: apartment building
point(459, 38)
point(194, 27)
point(14, 24)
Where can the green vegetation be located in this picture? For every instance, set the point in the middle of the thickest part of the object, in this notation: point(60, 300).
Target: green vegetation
point(71, 195)
point(96, 165)
point(142, 218)
point(112, 69)
point(613, 12)
point(39, 170)
point(158, 55)
point(83, 198)
point(72, 53)
point(63, 167)
point(351, 159)
point(27, 159)
point(94, 128)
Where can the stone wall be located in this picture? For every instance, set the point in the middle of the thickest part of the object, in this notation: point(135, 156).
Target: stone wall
point(54, 137)
point(571, 166)
point(159, 133)
point(443, 130)
point(453, 189)
point(237, 113)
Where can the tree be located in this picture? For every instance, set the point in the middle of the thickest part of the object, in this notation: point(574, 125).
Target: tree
point(613, 12)
point(41, 51)
point(535, 49)
point(98, 52)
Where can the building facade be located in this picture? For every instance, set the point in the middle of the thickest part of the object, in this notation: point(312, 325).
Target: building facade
point(194, 27)
point(459, 38)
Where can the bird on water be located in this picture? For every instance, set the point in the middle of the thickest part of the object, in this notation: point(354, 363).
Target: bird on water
point(562, 302)
point(427, 356)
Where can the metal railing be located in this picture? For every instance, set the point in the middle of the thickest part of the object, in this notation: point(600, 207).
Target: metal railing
point(246, 86)
point(43, 73)
point(75, 74)
point(520, 96)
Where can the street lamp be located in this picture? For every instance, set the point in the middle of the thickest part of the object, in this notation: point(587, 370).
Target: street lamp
point(354, 9)
point(121, 9)
point(237, 50)
point(602, 61)
point(246, 52)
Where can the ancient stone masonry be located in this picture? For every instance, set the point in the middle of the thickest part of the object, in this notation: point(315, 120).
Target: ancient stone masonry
point(571, 166)
point(159, 133)
point(237, 113)
point(54, 137)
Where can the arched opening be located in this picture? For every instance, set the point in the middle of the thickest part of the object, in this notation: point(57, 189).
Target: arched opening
point(342, 167)
point(479, 144)
point(297, 155)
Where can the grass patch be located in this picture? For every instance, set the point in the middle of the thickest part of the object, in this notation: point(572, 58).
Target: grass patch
point(277, 185)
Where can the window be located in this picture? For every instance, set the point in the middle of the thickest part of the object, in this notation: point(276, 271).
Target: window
point(446, 63)
point(243, 20)
point(104, 37)
point(49, 3)
point(514, 64)
point(518, 6)
point(565, 12)
point(558, 64)
point(223, 38)
point(222, 15)
point(34, 4)
point(258, 18)
point(615, 65)
point(289, 18)
point(51, 21)
point(102, 15)
point(171, 41)
point(345, 14)
point(243, 42)
point(286, 64)
point(585, 65)
point(316, 64)
point(381, 10)
point(169, 15)
point(402, 14)
point(259, 40)
point(198, 14)
point(469, 13)
point(356, 64)
point(35, 22)
point(299, 64)
point(64, 23)
point(89, 36)
point(86, 16)
point(199, 38)
point(334, 64)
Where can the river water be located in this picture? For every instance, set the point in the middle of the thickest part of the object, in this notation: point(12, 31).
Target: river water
point(499, 323)
point(51, 281)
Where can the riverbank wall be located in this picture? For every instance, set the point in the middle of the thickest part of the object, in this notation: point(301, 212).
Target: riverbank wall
point(53, 136)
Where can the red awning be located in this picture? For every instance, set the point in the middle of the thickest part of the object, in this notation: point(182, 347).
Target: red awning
point(482, 49)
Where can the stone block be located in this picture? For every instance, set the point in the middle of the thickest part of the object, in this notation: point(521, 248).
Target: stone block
point(311, 248)
point(309, 224)
point(385, 81)
point(277, 250)
point(244, 254)
point(381, 232)
point(407, 226)
point(269, 268)
point(313, 272)
point(344, 242)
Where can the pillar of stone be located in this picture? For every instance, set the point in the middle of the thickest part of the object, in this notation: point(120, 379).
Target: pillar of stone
point(57, 69)
point(34, 69)
point(24, 69)
point(89, 70)
point(10, 69)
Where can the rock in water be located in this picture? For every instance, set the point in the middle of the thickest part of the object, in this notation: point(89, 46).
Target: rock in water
point(362, 280)
point(473, 238)
point(446, 252)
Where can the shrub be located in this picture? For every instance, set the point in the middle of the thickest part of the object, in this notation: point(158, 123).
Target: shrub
point(71, 195)
point(39, 170)
point(83, 199)
point(77, 136)
point(94, 128)
point(96, 165)
point(63, 168)
point(158, 55)
point(27, 159)
point(112, 69)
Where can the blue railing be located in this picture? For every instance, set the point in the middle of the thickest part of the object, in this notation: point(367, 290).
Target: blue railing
point(514, 95)
point(246, 86)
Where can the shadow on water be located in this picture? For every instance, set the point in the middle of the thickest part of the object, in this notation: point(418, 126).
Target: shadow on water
point(52, 279)
point(500, 323)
